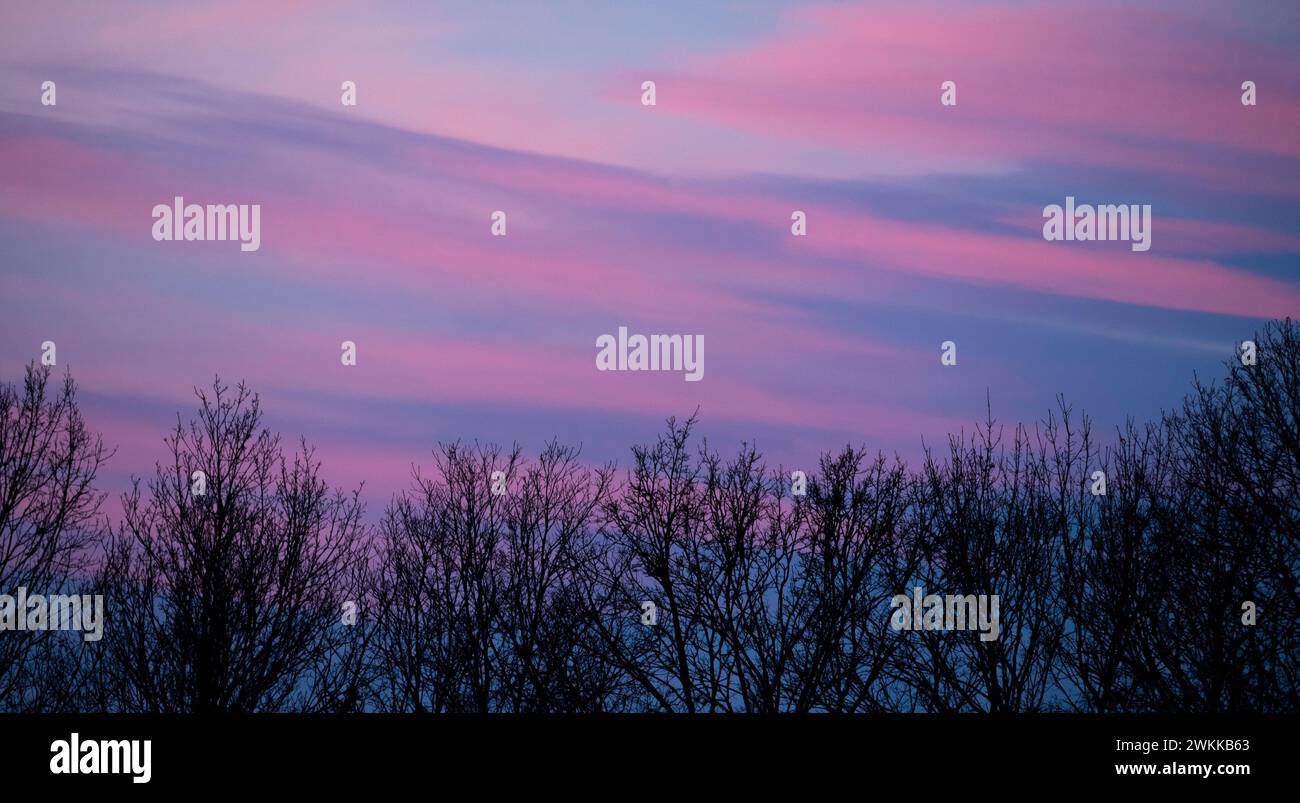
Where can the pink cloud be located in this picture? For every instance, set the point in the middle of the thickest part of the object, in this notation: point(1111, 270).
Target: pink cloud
point(1033, 83)
point(314, 234)
point(1109, 271)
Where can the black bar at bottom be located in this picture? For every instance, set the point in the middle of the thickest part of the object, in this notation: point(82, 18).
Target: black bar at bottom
point(580, 754)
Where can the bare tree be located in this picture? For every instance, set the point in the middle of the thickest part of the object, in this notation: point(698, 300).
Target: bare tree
point(653, 522)
point(1156, 572)
point(229, 599)
point(860, 549)
point(1112, 569)
point(1230, 538)
point(441, 584)
point(765, 602)
point(988, 519)
point(546, 653)
point(744, 573)
point(49, 511)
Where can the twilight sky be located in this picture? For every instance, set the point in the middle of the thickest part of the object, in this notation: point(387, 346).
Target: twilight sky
point(924, 221)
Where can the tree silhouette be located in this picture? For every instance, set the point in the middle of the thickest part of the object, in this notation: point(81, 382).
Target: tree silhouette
point(1231, 536)
point(49, 461)
point(230, 600)
point(1154, 571)
point(440, 584)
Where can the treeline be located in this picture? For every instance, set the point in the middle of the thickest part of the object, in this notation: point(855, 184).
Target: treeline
point(1175, 590)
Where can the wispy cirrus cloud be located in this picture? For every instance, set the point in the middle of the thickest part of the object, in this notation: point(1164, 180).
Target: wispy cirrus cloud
point(1112, 85)
point(375, 228)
